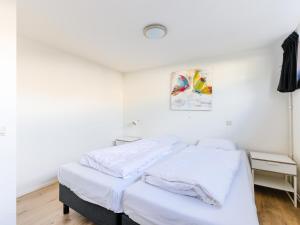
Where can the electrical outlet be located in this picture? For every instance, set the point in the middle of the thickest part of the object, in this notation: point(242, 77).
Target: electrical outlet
point(228, 123)
point(3, 130)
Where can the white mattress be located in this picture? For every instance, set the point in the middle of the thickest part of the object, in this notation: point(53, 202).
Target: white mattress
point(147, 204)
point(96, 187)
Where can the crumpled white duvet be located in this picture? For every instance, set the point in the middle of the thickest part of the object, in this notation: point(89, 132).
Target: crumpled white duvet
point(130, 159)
point(206, 174)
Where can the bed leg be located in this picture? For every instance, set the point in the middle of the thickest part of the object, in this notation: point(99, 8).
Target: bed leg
point(66, 209)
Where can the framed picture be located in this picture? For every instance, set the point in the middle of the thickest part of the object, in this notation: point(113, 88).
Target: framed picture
point(191, 90)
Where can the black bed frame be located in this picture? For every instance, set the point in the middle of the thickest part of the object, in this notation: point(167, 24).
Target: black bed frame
point(127, 221)
point(95, 213)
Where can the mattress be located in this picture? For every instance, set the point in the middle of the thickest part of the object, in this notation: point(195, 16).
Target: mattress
point(97, 187)
point(94, 186)
point(148, 205)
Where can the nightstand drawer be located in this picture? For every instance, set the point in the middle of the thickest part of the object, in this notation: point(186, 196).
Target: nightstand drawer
point(274, 166)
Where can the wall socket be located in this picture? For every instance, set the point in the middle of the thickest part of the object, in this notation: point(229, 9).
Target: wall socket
point(3, 130)
point(228, 123)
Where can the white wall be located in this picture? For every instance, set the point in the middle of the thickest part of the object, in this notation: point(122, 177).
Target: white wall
point(244, 92)
point(66, 106)
point(296, 113)
point(296, 99)
point(7, 112)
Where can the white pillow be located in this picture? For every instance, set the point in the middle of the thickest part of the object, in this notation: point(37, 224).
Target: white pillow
point(166, 139)
point(216, 143)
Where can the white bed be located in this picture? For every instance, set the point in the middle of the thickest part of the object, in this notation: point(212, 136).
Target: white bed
point(97, 187)
point(94, 186)
point(148, 205)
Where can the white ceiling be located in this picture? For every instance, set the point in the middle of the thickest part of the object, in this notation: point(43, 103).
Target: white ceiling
point(110, 31)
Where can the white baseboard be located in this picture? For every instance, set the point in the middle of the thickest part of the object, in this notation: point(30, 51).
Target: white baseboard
point(36, 187)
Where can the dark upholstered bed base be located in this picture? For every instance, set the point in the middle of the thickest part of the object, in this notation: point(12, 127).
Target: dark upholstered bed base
point(127, 221)
point(95, 213)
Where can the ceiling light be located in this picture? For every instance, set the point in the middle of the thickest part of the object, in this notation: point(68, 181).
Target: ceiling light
point(155, 31)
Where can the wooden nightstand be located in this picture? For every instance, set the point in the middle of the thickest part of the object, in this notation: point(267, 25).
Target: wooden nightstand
point(126, 139)
point(275, 163)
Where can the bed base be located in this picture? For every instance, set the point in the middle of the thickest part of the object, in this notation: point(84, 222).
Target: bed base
point(95, 213)
point(66, 209)
point(127, 221)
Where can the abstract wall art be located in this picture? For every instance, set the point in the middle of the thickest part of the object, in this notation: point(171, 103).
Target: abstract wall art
point(191, 90)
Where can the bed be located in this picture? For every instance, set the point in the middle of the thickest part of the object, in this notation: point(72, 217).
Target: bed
point(94, 194)
point(146, 204)
point(95, 213)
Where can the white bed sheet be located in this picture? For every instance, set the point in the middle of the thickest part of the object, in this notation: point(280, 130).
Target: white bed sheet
point(148, 205)
point(99, 188)
point(94, 186)
point(192, 173)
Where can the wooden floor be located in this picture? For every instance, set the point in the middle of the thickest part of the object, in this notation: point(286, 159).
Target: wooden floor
point(43, 208)
point(275, 208)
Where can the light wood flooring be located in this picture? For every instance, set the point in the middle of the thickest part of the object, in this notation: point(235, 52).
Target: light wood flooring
point(42, 207)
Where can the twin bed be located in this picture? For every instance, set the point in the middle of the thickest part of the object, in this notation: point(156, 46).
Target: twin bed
point(110, 200)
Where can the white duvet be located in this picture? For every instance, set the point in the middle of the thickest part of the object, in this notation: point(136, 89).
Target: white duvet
point(130, 159)
point(206, 174)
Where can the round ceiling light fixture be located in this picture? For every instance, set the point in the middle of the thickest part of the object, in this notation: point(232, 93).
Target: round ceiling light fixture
point(155, 31)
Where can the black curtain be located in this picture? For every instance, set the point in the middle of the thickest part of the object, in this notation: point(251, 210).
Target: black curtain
point(288, 80)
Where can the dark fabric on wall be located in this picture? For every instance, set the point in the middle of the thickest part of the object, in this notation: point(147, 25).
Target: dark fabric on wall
point(288, 79)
